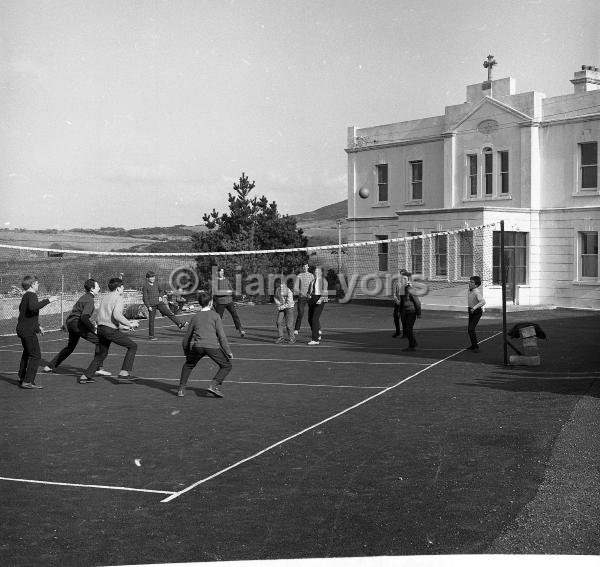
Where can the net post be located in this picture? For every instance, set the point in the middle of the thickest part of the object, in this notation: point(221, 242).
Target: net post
point(62, 293)
point(503, 281)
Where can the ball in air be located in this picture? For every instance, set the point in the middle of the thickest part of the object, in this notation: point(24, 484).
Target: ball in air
point(363, 192)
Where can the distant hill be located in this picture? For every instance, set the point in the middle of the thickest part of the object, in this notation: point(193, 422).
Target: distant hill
point(320, 226)
point(328, 213)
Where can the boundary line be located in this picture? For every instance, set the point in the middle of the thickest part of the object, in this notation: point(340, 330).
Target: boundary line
point(87, 485)
point(299, 433)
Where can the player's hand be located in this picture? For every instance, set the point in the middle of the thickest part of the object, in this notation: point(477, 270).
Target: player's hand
point(41, 331)
point(133, 324)
point(229, 355)
point(149, 308)
point(53, 298)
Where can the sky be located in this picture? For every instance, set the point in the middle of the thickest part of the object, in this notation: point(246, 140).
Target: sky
point(144, 113)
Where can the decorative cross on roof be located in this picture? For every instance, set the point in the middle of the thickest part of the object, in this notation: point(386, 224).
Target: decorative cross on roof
point(488, 65)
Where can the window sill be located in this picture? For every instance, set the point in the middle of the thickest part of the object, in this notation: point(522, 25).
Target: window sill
point(595, 282)
point(586, 193)
point(489, 198)
point(415, 203)
point(381, 205)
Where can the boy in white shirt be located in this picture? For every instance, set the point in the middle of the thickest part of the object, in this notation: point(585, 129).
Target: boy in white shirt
point(284, 300)
point(475, 303)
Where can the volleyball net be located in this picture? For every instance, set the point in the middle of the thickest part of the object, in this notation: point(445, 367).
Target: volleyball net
point(438, 262)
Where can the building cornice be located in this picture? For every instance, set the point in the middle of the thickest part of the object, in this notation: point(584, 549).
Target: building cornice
point(350, 219)
point(571, 119)
point(375, 146)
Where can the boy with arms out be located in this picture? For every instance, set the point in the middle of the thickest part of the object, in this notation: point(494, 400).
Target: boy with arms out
point(110, 320)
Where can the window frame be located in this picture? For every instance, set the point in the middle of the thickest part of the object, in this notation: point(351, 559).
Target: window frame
point(580, 254)
point(580, 168)
point(383, 252)
point(379, 168)
point(415, 182)
point(417, 255)
point(490, 176)
point(503, 174)
point(437, 238)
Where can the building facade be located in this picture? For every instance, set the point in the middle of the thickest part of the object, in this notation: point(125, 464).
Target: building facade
point(529, 160)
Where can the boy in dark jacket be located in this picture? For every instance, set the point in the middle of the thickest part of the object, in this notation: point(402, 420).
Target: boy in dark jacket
point(410, 309)
point(154, 302)
point(80, 326)
point(28, 327)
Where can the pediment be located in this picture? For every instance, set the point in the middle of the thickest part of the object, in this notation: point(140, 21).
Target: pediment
point(488, 115)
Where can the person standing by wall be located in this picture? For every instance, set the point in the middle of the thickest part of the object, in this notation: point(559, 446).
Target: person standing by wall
point(284, 300)
point(410, 310)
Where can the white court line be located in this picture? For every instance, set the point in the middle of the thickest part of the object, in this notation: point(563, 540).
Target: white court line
point(87, 485)
point(242, 461)
point(351, 386)
point(180, 356)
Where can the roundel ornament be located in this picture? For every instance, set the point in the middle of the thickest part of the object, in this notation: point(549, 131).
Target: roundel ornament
point(363, 192)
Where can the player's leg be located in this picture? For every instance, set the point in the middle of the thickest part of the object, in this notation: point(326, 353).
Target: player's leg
point(123, 340)
point(289, 323)
point(168, 313)
point(474, 317)
point(191, 360)
point(236, 319)
point(396, 316)
point(279, 323)
point(151, 318)
point(301, 306)
point(64, 353)
point(31, 346)
point(409, 322)
point(220, 309)
point(218, 356)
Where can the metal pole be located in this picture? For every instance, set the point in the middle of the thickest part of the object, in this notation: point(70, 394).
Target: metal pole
point(339, 224)
point(503, 281)
point(62, 291)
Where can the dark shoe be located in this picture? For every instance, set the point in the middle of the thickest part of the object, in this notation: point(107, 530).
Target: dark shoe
point(180, 393)
point(216, 391)
point(473, 348)
point(242, 334)
point(396, 335)
point(410, 348)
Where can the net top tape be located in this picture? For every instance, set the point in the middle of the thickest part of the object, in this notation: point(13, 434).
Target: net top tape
point(249, 252)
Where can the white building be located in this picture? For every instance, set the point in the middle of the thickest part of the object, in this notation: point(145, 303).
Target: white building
point(521, 157)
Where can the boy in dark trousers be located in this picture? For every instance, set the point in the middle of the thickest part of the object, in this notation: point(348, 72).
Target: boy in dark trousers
point(410, 309)
point(206, 337)
point(80, 326)
point(154, 302)
point(28, 327)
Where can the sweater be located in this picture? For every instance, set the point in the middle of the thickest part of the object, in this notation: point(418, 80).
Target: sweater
point(206, 331)
point(28, 323)
point(284, 300)
point(150, 294)
point(110, 312)
point(82, 311)
point(223, 293)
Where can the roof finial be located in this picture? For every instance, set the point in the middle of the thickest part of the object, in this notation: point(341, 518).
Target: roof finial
point(488, 65)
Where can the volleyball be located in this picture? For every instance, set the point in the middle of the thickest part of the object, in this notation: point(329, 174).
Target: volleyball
point(364, 192)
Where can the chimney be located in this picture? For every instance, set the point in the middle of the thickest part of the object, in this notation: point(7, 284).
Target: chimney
point(588, 79)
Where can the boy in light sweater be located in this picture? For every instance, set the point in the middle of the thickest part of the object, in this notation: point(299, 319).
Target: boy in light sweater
point(284, 300)
point(110, 320)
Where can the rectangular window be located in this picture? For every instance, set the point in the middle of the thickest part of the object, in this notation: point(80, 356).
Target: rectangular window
point(488, 158)
point(515, 258)
point(416, 180)
point(465, 254)
point(382, 183)
point(589, 165)
point(589, 254)
point(416, 253)
point(503, 159)
point(441, 255)
point(382, 252)
point(472, 175)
